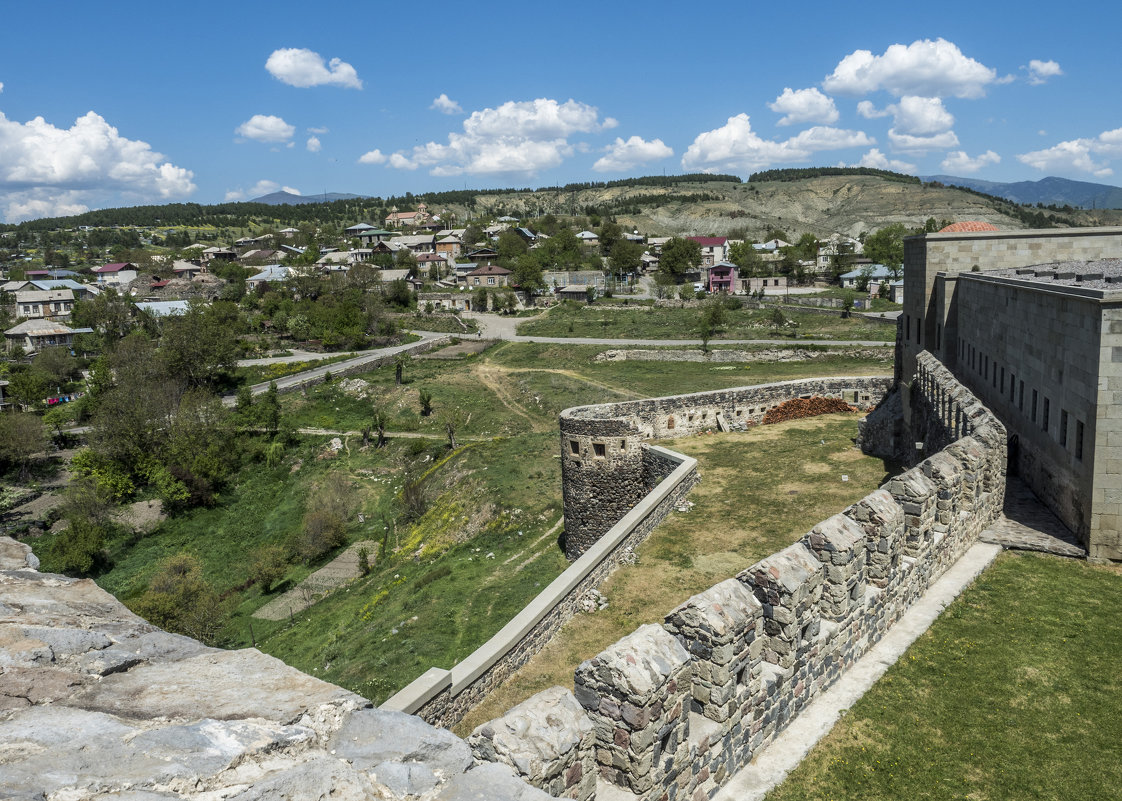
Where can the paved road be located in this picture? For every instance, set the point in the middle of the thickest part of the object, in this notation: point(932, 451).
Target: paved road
point(365, 357)
point(297, 356)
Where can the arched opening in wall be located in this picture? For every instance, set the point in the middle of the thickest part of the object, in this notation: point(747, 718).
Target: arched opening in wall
point(1013, 447)
point(670, 423)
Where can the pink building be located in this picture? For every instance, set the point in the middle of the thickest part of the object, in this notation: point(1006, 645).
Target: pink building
point(722, 277)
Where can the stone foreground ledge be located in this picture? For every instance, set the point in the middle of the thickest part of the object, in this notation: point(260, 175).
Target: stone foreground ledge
point(95, 702)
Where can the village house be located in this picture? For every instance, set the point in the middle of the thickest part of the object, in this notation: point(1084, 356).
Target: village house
point(117, 274)
point(722, 277)
point(873, 274)
point(34, 335)
point(449, 246)
point(769, 284)
point(714, 249)
point(489, 275)
point(271, 274)
point(50, 304)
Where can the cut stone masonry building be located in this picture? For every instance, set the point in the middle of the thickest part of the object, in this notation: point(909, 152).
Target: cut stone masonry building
point(1031, 322)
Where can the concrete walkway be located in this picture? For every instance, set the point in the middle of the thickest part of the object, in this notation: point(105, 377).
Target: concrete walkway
point(334, 574)
point(773, 764)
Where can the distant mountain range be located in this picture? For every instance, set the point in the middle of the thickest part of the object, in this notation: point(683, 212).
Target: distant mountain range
point(289, 199)
point(1049, 191)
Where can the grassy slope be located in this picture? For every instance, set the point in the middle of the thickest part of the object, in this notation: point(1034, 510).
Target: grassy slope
point(662, 323)
point(1014, 693)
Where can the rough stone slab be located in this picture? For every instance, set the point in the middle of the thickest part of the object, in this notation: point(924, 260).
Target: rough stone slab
point(16, 555)
point(722, 611)
point(320, 778)
point(224, 685)
point(488, 782)
point(535, 735)
point(369, 737)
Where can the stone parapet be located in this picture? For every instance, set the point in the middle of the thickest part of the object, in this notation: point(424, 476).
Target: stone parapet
point(739, 661)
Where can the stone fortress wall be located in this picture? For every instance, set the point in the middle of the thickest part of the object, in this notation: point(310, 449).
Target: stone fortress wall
point(672, 710)
point(616, 491)
point(606, 467)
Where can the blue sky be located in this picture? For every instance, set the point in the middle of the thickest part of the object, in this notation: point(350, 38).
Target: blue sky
point(125, 103)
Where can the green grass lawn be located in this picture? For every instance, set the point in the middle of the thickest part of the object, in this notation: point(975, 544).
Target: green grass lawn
point(575, 320)
point(1014, 693)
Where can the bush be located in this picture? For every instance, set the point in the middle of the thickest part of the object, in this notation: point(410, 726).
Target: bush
point(179, 600)
point(110, 478)
point(268, 566)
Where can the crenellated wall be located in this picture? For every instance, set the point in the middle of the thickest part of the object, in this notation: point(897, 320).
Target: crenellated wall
point(676, 709)
point(606, 469)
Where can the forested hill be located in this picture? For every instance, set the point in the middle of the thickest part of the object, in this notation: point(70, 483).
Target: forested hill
point(821, 201)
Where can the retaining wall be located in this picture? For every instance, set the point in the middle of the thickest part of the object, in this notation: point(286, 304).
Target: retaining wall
point(603, 464)
point(442, 697)
point(675, 709)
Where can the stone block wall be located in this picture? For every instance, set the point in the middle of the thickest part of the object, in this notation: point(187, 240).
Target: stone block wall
point(675, 722)
point(605, 467)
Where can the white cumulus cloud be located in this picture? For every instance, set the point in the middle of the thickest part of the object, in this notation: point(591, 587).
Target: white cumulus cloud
point(45, 170)
point(1077, 155)
point(298, 66)
point(870, 112)
point(314, 145)
point(804, 105)
point(877, 160)
point(735, 146)
point(624, 155)
point(446, 105)
point(921, 116)
point(1041, 71)
point(374, 156)
point(518, 137)
point(925, 68)
point(921, 144)
point(958, 162)
point(266, 128)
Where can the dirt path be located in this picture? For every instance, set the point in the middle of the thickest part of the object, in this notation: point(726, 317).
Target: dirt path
point(327, 579)
point(490, 376)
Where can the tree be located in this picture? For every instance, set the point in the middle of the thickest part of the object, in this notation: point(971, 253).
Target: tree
point(610, 235)
point(21, 437)
point(746, 258)
point(29, 386)
point(58, 364)
point(886, 247)
point(713, 318)
point(267, 566)
point(510, 247)
point(79, 548)
point(679, 256)
point(624, 258)
point(528, 272)
point(400, 359)
point(269, 410)
point(200, 345)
